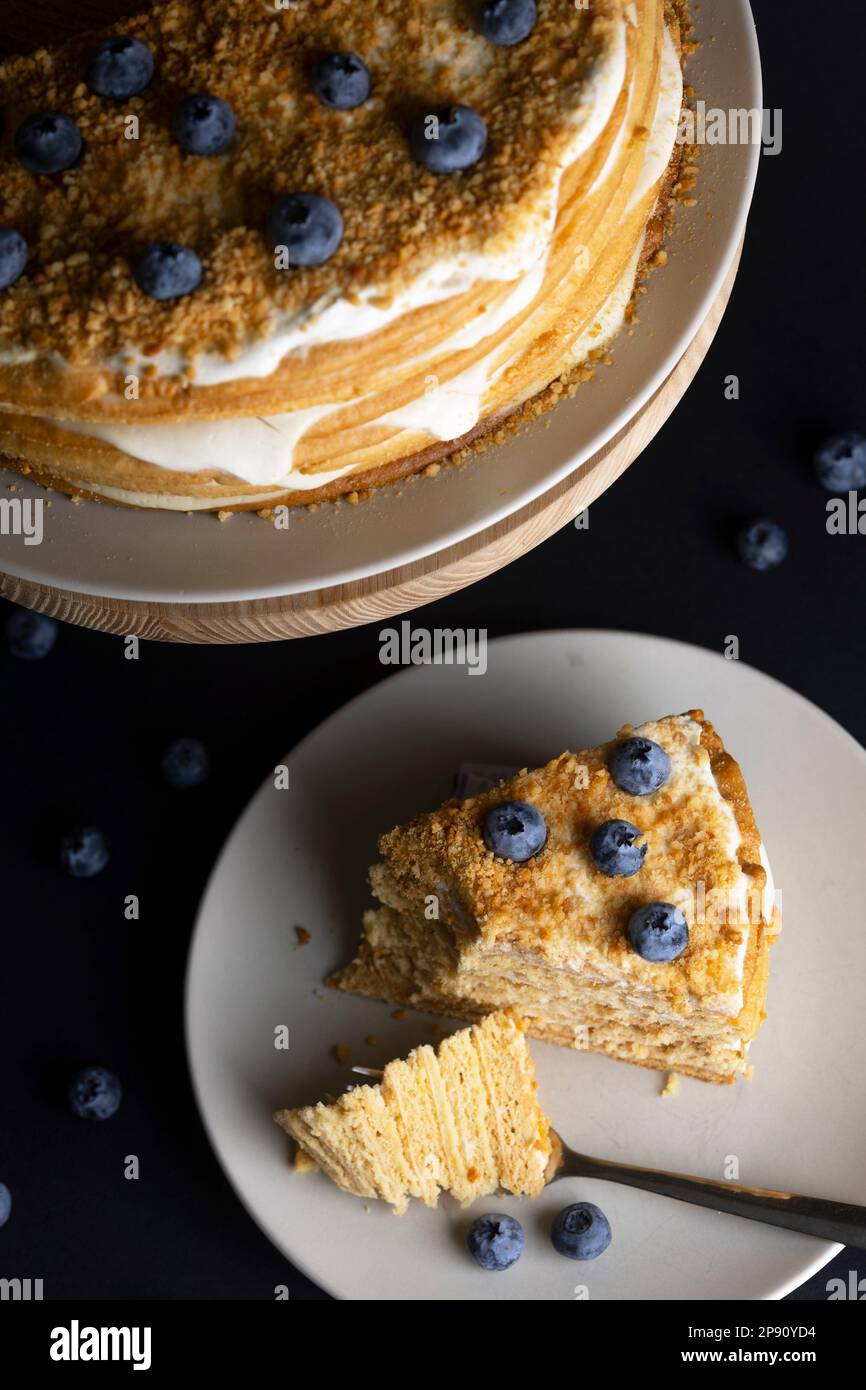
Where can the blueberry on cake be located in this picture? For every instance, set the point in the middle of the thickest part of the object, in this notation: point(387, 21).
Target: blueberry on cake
point(255, 254)
point(620, 898)
point(462, 1118)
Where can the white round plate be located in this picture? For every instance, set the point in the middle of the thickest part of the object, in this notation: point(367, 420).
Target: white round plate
point(159, 556)
point(299, 858)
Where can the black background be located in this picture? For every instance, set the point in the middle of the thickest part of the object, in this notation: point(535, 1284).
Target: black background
point(83, 729)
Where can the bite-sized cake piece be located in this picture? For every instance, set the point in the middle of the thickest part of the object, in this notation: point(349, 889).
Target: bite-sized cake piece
point(620, 898)
point(463, 1118)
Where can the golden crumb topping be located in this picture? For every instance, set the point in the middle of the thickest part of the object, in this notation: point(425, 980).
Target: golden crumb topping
point(132, 184)
point(702, 856)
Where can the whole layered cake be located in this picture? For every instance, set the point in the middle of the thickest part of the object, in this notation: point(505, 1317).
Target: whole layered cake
point(252, 256)
point(620, 898)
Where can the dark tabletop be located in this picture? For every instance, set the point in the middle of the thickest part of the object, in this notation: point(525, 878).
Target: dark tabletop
point(85, 727)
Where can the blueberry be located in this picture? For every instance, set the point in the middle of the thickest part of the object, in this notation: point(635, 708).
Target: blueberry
point(84, 852)
point(94, 1094)
point(506, 22)
point(203, 124)
point(5, 1203)
point(658, 932)
point(614, 848)
point(48, 142)
point(841, 462)
point(582, 1232)
point(120, 67)
point(167, 271)
point(448, 138)
point(515, 830)
point(185, 763)
point(762, 545)
point(341, 80)
point(30, 636)
point(309, 225)
point(13, 256)
point(495, 1242)
point(639, 766)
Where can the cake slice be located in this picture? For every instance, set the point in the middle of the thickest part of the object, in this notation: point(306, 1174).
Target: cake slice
point(620, 899)
point(462, 1118)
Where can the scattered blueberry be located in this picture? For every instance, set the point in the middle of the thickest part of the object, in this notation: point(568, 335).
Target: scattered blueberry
point(658, 932)
point(48, 142)
point(94, 1094)
point(614, 848)
point(120, 67)
point(84, 852)
point(310, 226)
point(167, 271)
point(341, 80)
point(13, 256)
point(506, 22)
point(639, 766)
point(582, 1232)
point(515, 830)
point(30, 636)
point(448, 139)
point(762, 545)
point(841, 462)
point(495, 1242)
point(5, 1203)
point(185, 763)
point(203, 124)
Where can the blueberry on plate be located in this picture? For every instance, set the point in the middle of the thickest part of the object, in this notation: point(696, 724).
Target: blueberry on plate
point(203, 124)
point(84, 852)
point(506, 22)
point(581, 1231)
point(13, 256)
point(658, 932)
point(94, 1094)
point(120, 67)
point(614, 848)
point(48, 142)
point(841, 462)
point(167, 271)
point(448, 139)
point(341, 80)
point(309, 226)
point(762, 545)
point(639, 766)
point(185, 763)
point(495, 1242)
point(30, 636)
point(515, 830)
point(5, 1203)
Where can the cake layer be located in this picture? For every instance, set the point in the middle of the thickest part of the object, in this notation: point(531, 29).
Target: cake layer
point(463, 930)
point(463, 1118)
point(375, 364)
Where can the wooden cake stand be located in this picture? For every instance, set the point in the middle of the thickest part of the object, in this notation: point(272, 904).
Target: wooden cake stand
point(398, 590)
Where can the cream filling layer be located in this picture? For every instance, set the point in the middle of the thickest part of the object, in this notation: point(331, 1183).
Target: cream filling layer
point(259, 450)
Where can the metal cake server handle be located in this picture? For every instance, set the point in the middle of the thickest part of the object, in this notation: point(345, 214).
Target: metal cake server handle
point(813, 1216)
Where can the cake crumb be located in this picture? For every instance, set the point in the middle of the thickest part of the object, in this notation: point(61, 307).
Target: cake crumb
point(303, 936)
point(400, 1014)
point(671, 1086)
point(373, 1040)
point(341, 1052)
point(303, 1162)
